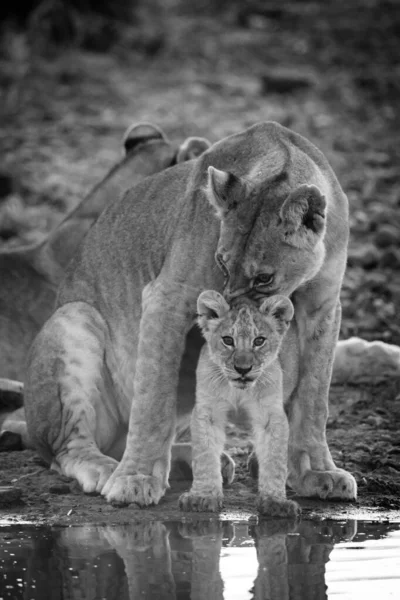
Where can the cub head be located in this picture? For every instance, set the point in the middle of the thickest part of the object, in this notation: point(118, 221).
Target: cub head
point(243, 339)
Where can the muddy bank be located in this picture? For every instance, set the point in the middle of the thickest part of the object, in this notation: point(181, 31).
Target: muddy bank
point(363, 436)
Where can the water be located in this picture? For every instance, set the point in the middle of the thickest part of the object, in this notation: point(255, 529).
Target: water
point(211, 560)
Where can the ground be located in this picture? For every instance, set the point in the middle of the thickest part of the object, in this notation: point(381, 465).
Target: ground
point(325, 69)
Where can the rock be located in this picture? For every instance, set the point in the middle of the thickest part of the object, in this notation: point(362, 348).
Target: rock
point(10, 442)
point(277, 82)
point(366, 256)
point(59, 488)
point(357, 360)
point(10, 495)
point(6, 185)
point(391, 259)
point(374, 420)
point(387, 235)
point(377, 159)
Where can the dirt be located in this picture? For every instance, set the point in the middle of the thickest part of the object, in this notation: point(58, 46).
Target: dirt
point(363, 436)
point(326, 70)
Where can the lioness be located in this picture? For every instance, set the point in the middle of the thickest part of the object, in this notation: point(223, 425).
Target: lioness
point(29, 276)
point(259, 213)
point(242, 365)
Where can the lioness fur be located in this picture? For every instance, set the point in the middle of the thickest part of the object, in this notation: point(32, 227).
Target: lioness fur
point(259, 213)
point(240, 367)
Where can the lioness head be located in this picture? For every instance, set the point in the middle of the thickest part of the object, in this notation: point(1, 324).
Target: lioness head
point(243, 339)
point(272, 229)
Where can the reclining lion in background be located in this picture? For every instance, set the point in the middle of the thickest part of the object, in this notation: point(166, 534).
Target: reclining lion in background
point(260, 213)
point(30, 275)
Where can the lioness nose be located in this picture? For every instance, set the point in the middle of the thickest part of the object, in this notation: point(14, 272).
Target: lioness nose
point(243, 370)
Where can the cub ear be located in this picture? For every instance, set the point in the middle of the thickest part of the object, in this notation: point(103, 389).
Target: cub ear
point(141, 132)
point(192, 147)
point(304, 208)
point(280, 307)
point(224, 191)
point(210, 305)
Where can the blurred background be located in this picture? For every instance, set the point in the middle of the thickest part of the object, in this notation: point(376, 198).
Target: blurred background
point(74, 74)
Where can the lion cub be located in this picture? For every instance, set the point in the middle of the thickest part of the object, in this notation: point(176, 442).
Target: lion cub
point(239, 366)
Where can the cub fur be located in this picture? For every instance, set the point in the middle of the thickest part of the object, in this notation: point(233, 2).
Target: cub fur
point(239, 367)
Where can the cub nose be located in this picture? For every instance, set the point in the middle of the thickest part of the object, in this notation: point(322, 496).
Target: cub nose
point(243, 370)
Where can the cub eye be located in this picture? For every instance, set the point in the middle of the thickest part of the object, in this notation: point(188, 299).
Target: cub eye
point(263, 279)
point(259, 341)
point(228, 340)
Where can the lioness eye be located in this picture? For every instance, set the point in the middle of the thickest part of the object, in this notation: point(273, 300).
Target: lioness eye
point(259, 341)
point(263, 279)
point(228, 340)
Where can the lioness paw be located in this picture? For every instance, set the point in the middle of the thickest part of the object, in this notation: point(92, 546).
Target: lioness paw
point(332, 485)
point(190, 501)
point(227, 468)
point(142, 490)
point(344, 486)
point(269, 506)
point(93, 476)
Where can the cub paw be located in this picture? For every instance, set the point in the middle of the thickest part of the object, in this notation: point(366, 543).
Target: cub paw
point(143, 490)
point(227, 468)
point(190, 501)
point(268, 506)
point(331, 485)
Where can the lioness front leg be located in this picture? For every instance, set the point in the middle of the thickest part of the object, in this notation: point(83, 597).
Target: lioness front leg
point(142, 475)
point(312, 471)
point(271, 434)
point(208, 438)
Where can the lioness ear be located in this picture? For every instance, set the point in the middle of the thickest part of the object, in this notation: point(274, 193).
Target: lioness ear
point(192, 147)
point(210, 305)
point(280, 307)
point(304, 208)
point(141, 132)
point(224, 191)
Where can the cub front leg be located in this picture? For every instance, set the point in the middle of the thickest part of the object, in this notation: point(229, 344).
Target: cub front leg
point(271, 435)
point(182, 452)
point(208, 438)
point(312, 471)
point(142, 475)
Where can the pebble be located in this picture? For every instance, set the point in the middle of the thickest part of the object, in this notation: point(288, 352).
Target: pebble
point(10, 495)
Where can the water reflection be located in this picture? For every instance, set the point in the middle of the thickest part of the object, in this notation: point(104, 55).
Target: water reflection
point(274, 560)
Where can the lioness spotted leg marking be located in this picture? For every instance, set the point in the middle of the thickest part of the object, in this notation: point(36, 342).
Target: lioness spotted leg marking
point(75, 339)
